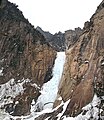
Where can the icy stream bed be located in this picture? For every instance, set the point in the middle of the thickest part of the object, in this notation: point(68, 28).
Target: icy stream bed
point(50, 89)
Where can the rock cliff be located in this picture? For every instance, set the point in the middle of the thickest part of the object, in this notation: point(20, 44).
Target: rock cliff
point(71, 37)
point(62, 41)
point(83, 74)
point(57, 41)
point(26, 60)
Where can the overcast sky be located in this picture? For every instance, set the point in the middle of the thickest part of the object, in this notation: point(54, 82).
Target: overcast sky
point(57, 15)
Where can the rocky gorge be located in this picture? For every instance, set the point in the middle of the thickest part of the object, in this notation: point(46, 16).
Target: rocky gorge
point(27, 59)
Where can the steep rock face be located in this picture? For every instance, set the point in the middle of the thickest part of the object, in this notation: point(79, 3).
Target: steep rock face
point(57, 41)
point(62, 41)
point(83, 74)
point(71, 37)
point(25, 57)
point(48, 36)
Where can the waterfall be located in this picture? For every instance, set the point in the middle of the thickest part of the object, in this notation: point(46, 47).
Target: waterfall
point(49, 90)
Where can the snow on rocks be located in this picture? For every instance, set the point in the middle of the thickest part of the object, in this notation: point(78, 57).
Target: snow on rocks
point(102, 63)
point(64, 108)
point(91, 111)
point(10, 90)
point(1, 71)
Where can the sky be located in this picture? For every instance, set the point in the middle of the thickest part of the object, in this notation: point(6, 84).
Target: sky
point(57, 15)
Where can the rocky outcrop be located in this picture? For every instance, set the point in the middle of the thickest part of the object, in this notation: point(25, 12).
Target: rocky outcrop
point(71, 37)
point(25, 57)
point(62, 41)
point(48, 36)
point(57, 41)
point(83, 74)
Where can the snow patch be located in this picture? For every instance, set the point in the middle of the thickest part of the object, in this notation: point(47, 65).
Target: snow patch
point(102, 63)
point(64, 108)
point(60, 98)
point(86, 62)
point(35, 85)
point(2, 60)
point(1, 71)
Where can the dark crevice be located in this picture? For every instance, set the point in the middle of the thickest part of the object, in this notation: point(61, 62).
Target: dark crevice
point(0, 2)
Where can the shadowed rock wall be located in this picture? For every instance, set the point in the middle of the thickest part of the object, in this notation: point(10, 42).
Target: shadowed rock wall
point(24, 54)
point(83, 74)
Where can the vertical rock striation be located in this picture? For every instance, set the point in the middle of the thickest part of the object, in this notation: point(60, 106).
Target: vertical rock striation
point(24, 54)
point(83, 74)
point(71, 36)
